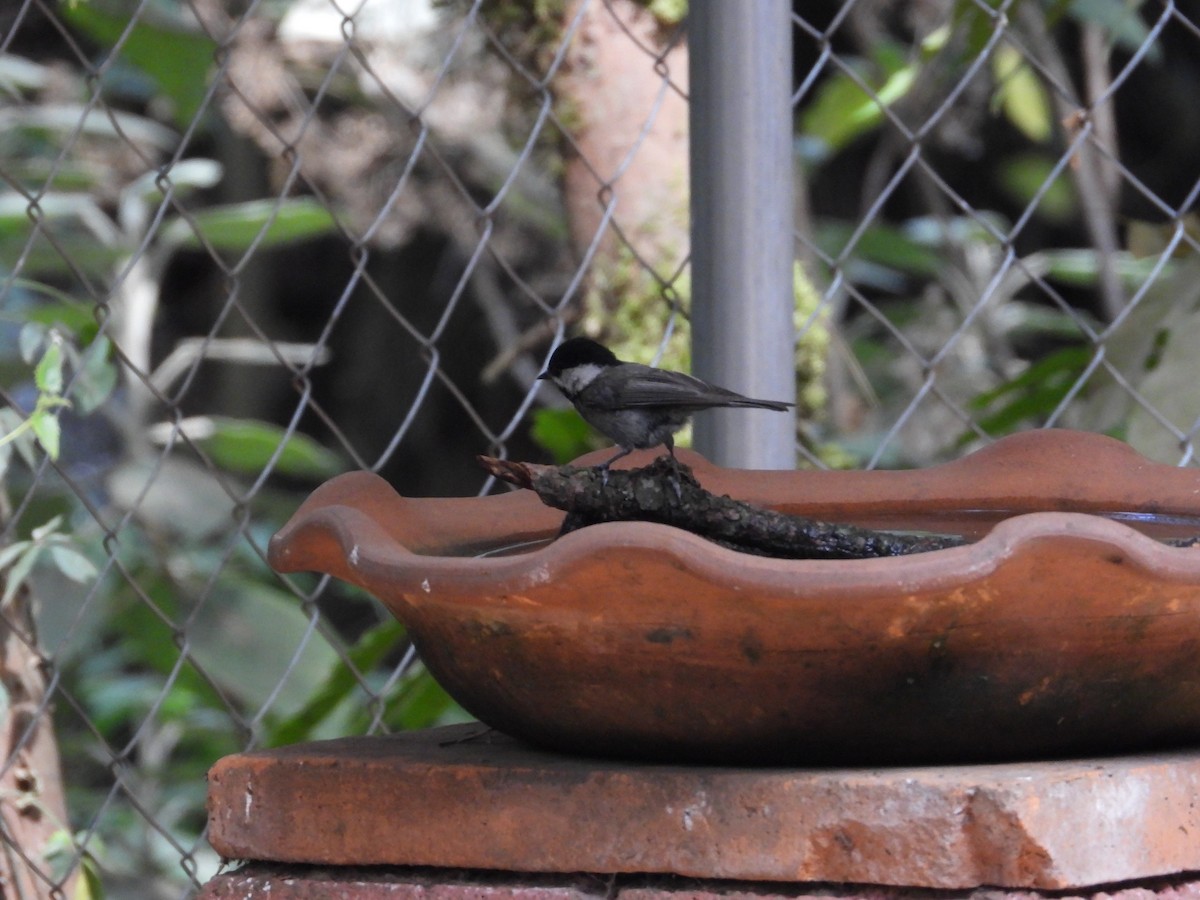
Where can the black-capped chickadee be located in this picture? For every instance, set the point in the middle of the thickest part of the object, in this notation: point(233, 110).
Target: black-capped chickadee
point(633, 405)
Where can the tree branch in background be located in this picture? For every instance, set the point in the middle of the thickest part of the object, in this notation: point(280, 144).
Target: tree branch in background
point(1094, 174)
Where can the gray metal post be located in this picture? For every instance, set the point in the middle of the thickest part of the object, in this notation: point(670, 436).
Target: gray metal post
point(740, 80)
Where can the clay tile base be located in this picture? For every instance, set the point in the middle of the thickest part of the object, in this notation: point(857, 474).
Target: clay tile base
point(466, 797)
point(259, 881)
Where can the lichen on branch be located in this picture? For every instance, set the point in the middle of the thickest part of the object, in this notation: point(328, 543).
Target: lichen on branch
point(668, 493)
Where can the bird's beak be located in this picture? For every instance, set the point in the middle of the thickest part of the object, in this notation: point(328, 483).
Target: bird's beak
point(543, 376)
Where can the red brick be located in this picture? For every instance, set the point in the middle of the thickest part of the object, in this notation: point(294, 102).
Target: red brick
point(282, 882)
point(434, 799)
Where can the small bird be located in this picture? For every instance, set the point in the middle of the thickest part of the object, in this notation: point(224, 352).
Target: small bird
point(633, 405)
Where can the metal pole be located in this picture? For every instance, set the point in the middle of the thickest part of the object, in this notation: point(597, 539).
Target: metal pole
point(740, 86)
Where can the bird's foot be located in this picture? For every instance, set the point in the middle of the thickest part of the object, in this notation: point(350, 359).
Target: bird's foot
point(675, 479)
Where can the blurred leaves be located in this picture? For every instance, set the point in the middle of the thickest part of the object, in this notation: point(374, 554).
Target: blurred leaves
point(175, 497)
point(876, 249)
point(97, 376)
point(340, 684)
point(18, 558)
point(562, 433)
point(85, 239)
point(1020, 93)
point(1168, 390)
point(1025, 175)
point(1081, 267)
point(32, 125)
point(62, 852)
point(248, 446)
point(1120, 19)
point(42, 420)
point(172, 51)
point(338, 707)
point(852, 103)
point(237, 227)
point(259, 645)
point(1028, 399)
point(48, 375)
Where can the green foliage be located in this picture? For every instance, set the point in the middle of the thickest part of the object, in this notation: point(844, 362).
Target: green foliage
point(1081, 267)
point(46, 541)
point(60, 853)
point(94, 381)
point(1118, 18)
point(417, 701)
point(848, 106)
point(1028, 399)
point(562, 433)
point(1021, 94)
point(1022, 176)
point(854, 101)
point(97, 376)
point(810, 319)
point(177, 55)
point(54, 307)
point(183, 646)
point(879, 247)
point(249, 447)
point(420, 702)
point(256, 643)
point(237, 227)
point(42, 421)
point(340, 684)
point(667, 12)
point(978, 20)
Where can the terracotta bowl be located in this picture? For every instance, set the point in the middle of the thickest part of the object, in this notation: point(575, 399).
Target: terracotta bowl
point(1064, 630)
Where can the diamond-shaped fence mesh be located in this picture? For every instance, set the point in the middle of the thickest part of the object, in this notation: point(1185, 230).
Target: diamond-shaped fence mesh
point(246, 246)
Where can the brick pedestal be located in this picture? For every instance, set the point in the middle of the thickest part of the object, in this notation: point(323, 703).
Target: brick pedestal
point(262, 881)
point(465, 799)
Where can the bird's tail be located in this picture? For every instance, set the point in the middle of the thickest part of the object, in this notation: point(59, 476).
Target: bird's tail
point(741, 402)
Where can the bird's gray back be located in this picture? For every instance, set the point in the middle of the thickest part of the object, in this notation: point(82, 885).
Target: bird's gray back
point(632, 385)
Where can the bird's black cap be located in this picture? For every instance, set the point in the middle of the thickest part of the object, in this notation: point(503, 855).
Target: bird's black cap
point(578, 351)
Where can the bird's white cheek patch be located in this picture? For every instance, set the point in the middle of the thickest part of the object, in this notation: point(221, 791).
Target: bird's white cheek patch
point(575, 380)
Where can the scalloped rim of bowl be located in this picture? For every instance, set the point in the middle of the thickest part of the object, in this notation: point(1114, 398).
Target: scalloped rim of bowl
point(1067, 616)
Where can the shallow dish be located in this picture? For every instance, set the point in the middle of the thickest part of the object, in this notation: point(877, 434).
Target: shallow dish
point(1059, 632)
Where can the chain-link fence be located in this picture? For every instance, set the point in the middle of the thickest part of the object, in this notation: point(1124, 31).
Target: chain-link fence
point(246, 246)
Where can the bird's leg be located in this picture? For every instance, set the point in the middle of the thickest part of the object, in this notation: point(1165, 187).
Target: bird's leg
point(670, 444)
point(603, 467)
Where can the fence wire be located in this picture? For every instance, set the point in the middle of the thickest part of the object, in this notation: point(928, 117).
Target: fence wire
point(244, 247)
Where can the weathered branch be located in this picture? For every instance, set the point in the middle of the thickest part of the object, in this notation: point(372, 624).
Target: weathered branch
point(664, 493)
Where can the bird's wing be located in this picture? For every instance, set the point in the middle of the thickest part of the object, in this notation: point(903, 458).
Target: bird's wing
point(644, 386)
